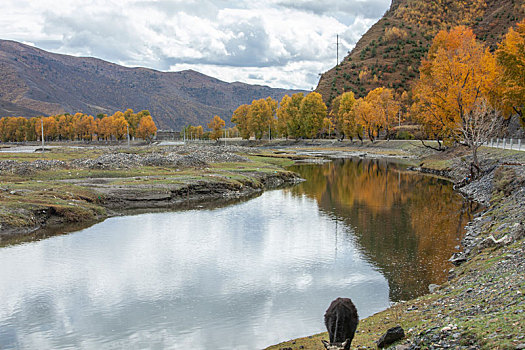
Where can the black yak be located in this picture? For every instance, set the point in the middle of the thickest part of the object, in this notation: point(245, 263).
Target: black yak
point(341, 322)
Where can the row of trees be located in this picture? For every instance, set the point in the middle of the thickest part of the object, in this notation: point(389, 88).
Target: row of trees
point(296, 116)
point(79, 127)
point(379, 110)
point(463, 95)
point(300, 116)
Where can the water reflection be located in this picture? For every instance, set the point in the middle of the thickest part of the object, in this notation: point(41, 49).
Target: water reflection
point(407, 224)
point(239, 277)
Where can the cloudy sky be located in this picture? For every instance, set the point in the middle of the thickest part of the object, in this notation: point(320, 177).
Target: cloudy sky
point(281, 43)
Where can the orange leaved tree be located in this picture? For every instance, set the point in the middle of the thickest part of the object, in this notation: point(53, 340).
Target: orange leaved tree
point(511, 59)
point(146, 128)
point(216, 126)
point(457, 80)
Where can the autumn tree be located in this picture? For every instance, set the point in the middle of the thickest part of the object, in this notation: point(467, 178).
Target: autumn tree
point(50, 128)
point(30, 129)
point(328, 126)
point(385, 108)
point(293, 115)
point(283, 116)
point(511, 58)
point(260, 117)
point(273, 104)
point(241, 118)
point(216, 126)
point(312, 112)
point(73, 127)
point(479, 124)
point(105, 127)
point(119, 126)
point(146, 128)
point(193, 132)
point(346, 114)
point(366, 118)
point(458, 75)
point(13, 129)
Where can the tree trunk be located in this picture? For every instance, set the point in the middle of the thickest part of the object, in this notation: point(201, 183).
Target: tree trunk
point(475, 169)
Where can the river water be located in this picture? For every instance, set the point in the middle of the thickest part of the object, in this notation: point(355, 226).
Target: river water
point(239, 277)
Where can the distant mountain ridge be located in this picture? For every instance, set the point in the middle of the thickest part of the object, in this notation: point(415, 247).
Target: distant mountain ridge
point(390, 52)
point(36, 82)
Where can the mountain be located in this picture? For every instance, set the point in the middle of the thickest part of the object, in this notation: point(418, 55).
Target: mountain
point(390, 52)
point(36, 82)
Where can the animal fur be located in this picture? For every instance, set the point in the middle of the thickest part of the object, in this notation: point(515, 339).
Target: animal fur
point(341, 321)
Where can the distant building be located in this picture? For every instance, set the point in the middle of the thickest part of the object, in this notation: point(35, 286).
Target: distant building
point(165, 135)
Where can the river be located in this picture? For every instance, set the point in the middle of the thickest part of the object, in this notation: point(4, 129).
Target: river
point(238, 277)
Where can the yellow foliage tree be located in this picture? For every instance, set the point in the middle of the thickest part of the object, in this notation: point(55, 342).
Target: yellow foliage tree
point(457, 80)
point(365, 117)
point(293, 115)
point(347, 117)
point(146, 128)
point(312, 112)
point(283, 116)
point(119, 125)
point(260, 117)
point(511, 59)
point(385, 108)
point(457, 73)
point(241, 118)
point(216, 126)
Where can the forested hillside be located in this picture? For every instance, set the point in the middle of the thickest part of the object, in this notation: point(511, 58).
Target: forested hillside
point(390, 53)
point(36, 82)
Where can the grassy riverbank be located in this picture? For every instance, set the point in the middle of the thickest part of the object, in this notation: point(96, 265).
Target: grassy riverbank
point(80, 186)
point(482, 305)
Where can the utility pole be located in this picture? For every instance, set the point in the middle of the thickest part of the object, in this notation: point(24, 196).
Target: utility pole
point(42, 125)
point(337, 55)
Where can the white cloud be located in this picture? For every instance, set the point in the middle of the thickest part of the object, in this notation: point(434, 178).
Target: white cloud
point(285, 43)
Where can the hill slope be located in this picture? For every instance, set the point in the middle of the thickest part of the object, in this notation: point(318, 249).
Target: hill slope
point(36, 82)
point(390, 52)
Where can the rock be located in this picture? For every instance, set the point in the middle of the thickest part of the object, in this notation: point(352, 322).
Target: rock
point(449, 328)
point(458, 258)
point(490, 241)
point(392, 335)
point(520, 346)
point(446, 329)
point(433, 287)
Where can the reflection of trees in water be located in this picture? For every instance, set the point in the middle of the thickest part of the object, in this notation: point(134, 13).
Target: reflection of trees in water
point(407, 224)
